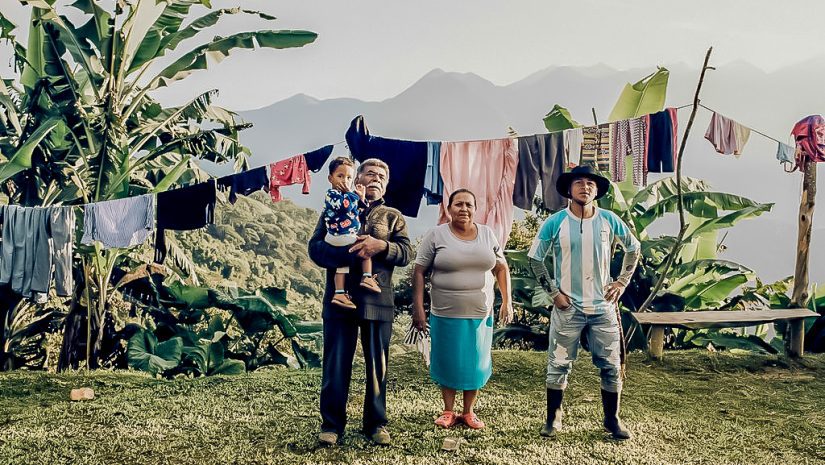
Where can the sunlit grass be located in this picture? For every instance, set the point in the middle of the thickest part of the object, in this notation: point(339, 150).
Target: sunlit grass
point(695, 407)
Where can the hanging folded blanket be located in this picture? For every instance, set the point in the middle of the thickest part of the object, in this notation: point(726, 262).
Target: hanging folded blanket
point(317, 158)
point(596, 146)
point(726, 135)
point(809, 134)
point(244, 183)
point(540, 157)
point(488, 169)
point(661, 141)
point(287, 172)
point(119, 223)
point(407, 161)
point(628, 138)
point(433, 184)
point(184, 209)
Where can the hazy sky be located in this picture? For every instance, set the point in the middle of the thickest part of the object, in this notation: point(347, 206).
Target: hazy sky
point(373, 49)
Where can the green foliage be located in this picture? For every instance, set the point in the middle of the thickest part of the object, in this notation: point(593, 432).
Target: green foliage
point(211, 344)
point(147, 354)
point(80, 124)
point(23, 336)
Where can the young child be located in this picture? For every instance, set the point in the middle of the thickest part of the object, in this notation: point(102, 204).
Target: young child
point(341, 220)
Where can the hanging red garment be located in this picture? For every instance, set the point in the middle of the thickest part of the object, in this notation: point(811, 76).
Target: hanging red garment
point(287, 172)
point(809, 134)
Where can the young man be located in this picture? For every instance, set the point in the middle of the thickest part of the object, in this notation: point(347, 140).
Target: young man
point(383, 238)
point(580, 240)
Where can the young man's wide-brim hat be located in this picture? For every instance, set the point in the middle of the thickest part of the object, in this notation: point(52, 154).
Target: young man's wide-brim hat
point(583, 171)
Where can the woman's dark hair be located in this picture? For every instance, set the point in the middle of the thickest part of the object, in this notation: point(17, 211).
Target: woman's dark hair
point(461, 191)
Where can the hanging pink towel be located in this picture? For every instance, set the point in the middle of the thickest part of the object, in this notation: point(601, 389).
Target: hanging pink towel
point(488, 169)
point(726, 135)
point(287, 172)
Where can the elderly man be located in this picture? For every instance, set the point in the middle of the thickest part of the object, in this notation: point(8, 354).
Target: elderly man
point(383, 238)
point(580, 240)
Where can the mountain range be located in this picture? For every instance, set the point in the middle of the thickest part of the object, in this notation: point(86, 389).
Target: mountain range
point(444, 105)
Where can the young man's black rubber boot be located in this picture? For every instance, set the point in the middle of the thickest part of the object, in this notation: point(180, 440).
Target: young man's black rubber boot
point(612, 423)
point(554, 414)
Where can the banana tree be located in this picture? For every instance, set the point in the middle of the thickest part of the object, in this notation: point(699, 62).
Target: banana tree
point(80, 124)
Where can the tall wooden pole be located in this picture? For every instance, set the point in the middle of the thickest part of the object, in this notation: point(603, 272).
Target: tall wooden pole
point(799, 297)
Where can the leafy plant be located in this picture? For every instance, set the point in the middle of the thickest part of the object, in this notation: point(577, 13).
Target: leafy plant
point(79, 123)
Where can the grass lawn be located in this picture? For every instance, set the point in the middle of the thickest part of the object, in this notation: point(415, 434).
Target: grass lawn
point(695, 407)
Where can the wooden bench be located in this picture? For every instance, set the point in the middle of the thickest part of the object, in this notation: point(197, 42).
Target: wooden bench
point(724, 319)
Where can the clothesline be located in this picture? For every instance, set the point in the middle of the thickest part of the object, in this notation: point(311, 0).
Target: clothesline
point(714, 111)
point(749, 127)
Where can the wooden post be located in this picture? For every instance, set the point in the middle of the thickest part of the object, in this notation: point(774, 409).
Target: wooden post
point(796, 331)
point(657, 341)
point(800, 295)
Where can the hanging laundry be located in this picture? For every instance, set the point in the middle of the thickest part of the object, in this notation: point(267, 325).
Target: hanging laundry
point(809, 134)
point(407, 161)
point(488, 169)
point(628, 138)
point(638, 131)
point(573, 146)
point(8, 215)
point(727, 136)
point(317, 158)
point(785, 153)
point(244, 183)
point(62, 230)
point(596, 146)
point(183, 209)
point(539, 157)
point(433, 184)
point(620, 136)
point(661, 141)
point(119, 223)
point(28, 253)
point(286, 173)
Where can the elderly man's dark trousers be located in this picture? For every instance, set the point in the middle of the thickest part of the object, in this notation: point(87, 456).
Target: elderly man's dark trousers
point(340, 338)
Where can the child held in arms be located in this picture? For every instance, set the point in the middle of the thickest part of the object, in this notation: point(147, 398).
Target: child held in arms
point(342, 223)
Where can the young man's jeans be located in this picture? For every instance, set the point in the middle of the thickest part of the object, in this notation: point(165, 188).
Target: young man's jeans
point(566, 327)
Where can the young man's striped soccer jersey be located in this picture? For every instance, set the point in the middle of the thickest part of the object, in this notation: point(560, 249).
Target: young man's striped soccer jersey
point(581, 251)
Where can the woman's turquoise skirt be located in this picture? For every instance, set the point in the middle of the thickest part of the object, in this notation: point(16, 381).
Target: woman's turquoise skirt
point(460, 352)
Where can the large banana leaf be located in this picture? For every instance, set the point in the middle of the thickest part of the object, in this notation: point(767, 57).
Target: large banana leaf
point(559, 119)
point(146, 354)
point(730, 340)
point(166, 33)
point(697, 204)
point(220, 48)
point(642, 98)
point(729, 220)
point(22, 158)
point(667, 187)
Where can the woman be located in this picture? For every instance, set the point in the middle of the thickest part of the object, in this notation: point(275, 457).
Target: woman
point(463, 257)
